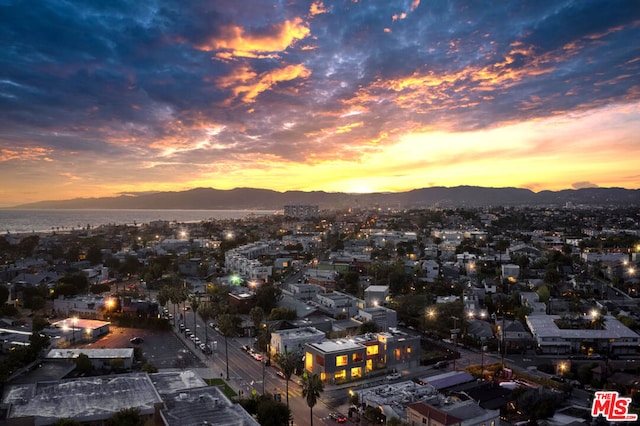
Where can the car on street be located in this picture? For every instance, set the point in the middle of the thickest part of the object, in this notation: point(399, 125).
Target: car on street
point(280, 374)
point(337, 417)
point(394, 376)
point(136, 340)
point(441, 364)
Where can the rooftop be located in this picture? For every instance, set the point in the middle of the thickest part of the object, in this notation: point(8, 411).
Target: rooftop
point(168, 382)
point(545, 326)
point(84, 399)
point(202, 406)
point(91, 353)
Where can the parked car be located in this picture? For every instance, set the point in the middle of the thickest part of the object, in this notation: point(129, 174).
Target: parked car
point(441, 364)
point(339, 418)
point(136, 340)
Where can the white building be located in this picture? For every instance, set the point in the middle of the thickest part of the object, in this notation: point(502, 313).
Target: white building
point(376, 295)
point(294, 340)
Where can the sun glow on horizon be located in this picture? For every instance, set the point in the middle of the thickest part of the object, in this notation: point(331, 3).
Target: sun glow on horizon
point(593, 149)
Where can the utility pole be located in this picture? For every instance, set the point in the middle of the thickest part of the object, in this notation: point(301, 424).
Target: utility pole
point(454, 332)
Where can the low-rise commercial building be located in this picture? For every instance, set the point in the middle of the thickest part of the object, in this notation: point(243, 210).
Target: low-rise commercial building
point(100, 358)
point(87, 400)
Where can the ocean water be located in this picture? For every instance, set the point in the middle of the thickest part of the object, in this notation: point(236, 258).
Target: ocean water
point(27, 221)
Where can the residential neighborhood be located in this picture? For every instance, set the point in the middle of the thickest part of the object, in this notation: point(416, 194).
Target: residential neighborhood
point(478, 316)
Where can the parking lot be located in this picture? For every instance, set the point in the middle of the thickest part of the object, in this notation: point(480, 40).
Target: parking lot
point(162, 349)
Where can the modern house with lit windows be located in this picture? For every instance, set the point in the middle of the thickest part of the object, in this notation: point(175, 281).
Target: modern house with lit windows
point(352, 358)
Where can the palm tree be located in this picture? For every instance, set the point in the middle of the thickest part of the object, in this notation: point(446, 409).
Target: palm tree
point(257, 315)
point(226, 325)
point(175, 295)
point(287, 363)
point(164, 295)
point(206, 313)
point(194, 300)
point(312, 387)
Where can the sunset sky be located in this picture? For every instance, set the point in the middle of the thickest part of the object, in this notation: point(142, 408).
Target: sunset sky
point(101, 98)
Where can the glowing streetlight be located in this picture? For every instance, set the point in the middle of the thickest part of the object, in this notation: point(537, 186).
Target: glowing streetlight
point(110, 304)
point(562, 368)
point(235, 279)
point(66, 327)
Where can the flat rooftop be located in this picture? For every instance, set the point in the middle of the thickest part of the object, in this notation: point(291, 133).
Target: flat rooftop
point(85, 399)
point(91, 353)
point(204, 406)
point(299, 332)
point(340, 345)
point(545, 326)
point(168, 382)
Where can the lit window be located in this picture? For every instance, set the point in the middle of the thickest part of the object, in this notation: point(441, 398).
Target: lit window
point(342, 360)
point(372, 350)
point(340, 375)
point(356, 372)
point(308, 362)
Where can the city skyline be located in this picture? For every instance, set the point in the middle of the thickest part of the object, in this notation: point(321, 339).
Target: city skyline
point(127, 97)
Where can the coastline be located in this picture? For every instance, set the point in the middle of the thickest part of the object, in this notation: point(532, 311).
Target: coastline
point(49, 221)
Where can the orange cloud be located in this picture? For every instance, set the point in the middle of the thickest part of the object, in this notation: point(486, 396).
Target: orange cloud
point(240, 75)
point(234, 38)
point(425, 91)
point(349, 127)
point(69, 176)
point(24, 154)
point(269, 79)
point(317, 8)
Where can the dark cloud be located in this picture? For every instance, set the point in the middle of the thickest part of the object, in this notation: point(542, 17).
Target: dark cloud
point(113, 73)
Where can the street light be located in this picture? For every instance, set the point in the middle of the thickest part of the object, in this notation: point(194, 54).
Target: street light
point(73, 329)
point(454, 331)
point(562, 367)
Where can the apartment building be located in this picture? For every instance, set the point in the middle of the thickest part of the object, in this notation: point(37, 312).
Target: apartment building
point(348, 359)
point(612, 337)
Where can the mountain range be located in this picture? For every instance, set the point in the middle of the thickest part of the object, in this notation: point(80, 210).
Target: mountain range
point(264, 199)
